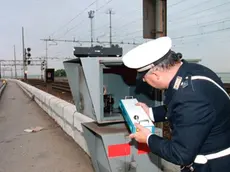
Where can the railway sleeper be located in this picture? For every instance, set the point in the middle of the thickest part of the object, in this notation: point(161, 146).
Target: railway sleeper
point(61, 88)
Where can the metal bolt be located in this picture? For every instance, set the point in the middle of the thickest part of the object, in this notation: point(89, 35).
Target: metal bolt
point(136, 117)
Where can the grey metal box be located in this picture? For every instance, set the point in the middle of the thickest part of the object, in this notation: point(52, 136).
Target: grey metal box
point(92, 79)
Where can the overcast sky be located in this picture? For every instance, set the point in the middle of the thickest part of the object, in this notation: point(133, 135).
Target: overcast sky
point(199, 28)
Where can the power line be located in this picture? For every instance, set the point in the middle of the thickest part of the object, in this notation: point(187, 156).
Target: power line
point(205, 24)
point(187, 9)
point(127, 24)
point(20, 62)
point(200, 40)
point(197, 19)
point(115, 19)
point(103, 5)
point(119, 28)
point(198, 12)
point(176, 3)
point(110, 12)
point(53, 58)
point(205, 33)
point(129, 34)
point(100, 42)
point(80, 23)
point(75, 17)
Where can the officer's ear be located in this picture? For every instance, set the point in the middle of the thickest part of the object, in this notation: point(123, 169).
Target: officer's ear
point(155, 74)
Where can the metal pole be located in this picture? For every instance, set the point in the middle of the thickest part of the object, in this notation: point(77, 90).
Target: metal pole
point(23, 53)
point(91, 32)
point(0, 69)
point(110, 12)
point(41, 73)
point(15, 67)
point(11, 69)
point(110, 26)
point(46, 54)
point(3, 73)
point(91, 16)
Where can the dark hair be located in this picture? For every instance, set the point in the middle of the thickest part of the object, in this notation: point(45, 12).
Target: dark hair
point(171, 59)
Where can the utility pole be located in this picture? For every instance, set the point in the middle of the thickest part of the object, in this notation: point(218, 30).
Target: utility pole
point(46, 58)
point(23, 54)
point(91, 16)
point(11, 69)
point(15, 67)
point(0, 69)
point(3, 71)
point(110, 12)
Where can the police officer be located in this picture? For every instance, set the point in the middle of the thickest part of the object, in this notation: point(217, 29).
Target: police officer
point(196, 106)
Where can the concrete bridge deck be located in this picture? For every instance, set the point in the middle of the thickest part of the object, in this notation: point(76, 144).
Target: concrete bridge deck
point(49, 150)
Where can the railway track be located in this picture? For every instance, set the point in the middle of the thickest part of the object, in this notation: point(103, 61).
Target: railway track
point(36, 82)
point(61, 86)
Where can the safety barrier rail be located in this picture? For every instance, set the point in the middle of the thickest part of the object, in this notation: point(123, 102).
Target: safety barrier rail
point(2, 86)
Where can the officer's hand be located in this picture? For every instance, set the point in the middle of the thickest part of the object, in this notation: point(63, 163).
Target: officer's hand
point(144, 106)
point(141, 134)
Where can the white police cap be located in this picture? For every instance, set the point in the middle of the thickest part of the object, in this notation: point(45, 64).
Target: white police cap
point(146, 55)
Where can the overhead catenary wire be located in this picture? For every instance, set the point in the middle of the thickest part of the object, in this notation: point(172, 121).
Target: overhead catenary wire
point(83, 20)
point(200, 40)
point(204, 33)
point(126, 24)
point(190, 35)
point(206, 24)
point(79, 14)
point(134, 21)
point(79, 24)
point(129, 34)
point(182, 17)
point(196, 35)
point(103, 5)
point(204, 36)
point(201, 11)
point(83, 41)
point(177, 3)
point(115, 19)
point(188, 9)
point(198, 19)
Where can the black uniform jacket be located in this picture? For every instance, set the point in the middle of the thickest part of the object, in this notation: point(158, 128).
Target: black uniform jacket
point(199, 115)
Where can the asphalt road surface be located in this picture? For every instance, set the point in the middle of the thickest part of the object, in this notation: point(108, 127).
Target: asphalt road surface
point(49, 150)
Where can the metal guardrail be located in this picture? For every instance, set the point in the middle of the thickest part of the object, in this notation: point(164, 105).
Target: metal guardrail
point(2, 86)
